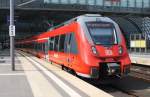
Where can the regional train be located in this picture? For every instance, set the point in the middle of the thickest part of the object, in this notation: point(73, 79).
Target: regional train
point(90, 45)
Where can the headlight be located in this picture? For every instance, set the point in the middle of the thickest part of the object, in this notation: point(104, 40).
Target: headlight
point(120, 49)
point(94, 50)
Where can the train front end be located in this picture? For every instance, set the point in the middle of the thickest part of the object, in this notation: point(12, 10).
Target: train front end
point(107, 53)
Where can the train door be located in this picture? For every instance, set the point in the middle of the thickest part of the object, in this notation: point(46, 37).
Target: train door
point(62, 55)
point(51, 48)
point(67, 48)
point(73, 61)
point(46, 49)
point(55, 53)
point(71, 50)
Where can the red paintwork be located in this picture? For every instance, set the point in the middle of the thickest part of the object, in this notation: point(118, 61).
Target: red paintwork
point(85, 59)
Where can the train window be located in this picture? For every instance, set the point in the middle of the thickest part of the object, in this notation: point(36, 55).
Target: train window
point(31, 45)
point(56, 43)
point(37, 46)
point(51, 46)
point(61, 43)
point(34, 45)
point(40, 46)
point(73, 44)
point(43, 47)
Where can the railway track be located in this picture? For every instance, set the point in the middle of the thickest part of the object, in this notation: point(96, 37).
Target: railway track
point(112, 89)
point(135, 85)
point(140, 71)
point(129, 93)
point(123, 87)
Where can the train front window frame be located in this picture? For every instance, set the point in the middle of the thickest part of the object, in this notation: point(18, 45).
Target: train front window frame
point(114, 33)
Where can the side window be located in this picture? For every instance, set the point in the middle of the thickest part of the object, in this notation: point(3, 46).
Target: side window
point(39, 44)
point(51, 46)
point(73, 43)
point(43, 46)
point(56, 43)
point(36, 46)
point(39, 47)
point(61, 43)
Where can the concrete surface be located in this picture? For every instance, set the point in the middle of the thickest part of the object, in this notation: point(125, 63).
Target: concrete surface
point(32, 79)
point(13, 83)
point(74, 87)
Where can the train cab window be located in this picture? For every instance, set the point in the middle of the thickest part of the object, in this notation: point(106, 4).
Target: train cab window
point(102, 33)
point(56, 43)
point(73, 44)
point(51, 41)
point(61, 43)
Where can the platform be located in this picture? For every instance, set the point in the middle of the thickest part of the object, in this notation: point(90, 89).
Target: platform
point(143, 59)
point(37, 78)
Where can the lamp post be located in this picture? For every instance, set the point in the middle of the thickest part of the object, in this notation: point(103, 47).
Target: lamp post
point(12, 34)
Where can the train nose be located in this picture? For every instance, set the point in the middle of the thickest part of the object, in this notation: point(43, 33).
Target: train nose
point(109, 69)
point(113, 68)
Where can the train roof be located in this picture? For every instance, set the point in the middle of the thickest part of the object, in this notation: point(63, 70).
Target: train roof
point(74, 19)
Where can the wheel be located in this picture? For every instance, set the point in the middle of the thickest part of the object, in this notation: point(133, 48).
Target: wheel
point(51, 62)
point(62, 67)
point(65, 68)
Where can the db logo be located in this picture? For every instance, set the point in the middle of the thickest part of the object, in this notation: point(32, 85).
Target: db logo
point(108, 52)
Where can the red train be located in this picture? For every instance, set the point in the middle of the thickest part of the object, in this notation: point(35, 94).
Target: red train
point(90, 45)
